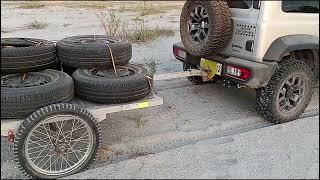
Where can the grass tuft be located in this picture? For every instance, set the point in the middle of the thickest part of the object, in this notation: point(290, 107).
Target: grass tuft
point(31, 5)
point(138, 32)
point(37, 25)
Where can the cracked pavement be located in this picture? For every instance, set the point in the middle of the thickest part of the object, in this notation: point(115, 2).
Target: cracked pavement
point(288, 151)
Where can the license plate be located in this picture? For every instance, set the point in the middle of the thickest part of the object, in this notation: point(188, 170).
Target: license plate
point(214, 68)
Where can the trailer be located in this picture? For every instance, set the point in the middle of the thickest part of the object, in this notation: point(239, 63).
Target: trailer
point(63, 139)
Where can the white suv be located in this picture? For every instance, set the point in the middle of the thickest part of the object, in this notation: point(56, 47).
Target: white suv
point(272, 46)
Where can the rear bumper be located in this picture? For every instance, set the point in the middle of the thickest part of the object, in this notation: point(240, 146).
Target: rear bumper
point(261, 73)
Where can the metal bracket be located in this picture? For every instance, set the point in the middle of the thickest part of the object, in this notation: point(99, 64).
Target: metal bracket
point(100, 112)
point(168, 76)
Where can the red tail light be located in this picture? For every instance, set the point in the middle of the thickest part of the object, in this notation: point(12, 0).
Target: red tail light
point(238, 72)
point(179, 54)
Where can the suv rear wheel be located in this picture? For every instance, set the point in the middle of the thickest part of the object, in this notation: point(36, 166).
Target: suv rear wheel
point(288, 93)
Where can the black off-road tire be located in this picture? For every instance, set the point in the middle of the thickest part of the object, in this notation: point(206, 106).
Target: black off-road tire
point(220, 27)
point(20, 102)
point(38, 116)
point(266, 96)
point(19, 55)
point(113, 90)
point(310, 57)
point(91, 51)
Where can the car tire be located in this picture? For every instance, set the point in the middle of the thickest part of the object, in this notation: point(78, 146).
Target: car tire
point(38, 89)
point(92, 51)
point(288, 93)
point(205, 27)
point(102, 86)
point(50, 127)
point(20, 55)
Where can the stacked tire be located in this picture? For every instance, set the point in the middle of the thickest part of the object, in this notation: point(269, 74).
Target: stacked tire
point(29, 77)
point(102, 72)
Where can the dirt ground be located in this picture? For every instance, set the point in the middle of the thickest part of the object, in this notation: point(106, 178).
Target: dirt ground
point(190, 114)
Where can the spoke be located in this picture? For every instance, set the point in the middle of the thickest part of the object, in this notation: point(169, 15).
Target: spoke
point(71, 130)
point(46, 161)
point(203, 34)
point(61, 162)
point(290, 81)
point(193, 26)
point(70, 159)
point(50, 163)
point(66, 161)
point(206, 26)
point(283, 91)
point(38, 147)
point(285, 104)
point(80, 150)
point(297, 80)
point(53, 163)
point(77, 141)
point(197, 11)
point(82, 140)
point(197, 35)
point(41, 152)
point(42, 158)
point(301, 83)
point(47, 133)
point(74, 153)
point(295, 99)
point(205, 16)
point(60, 130)
point(42, 133)
point(282, 98)
point(38, 140)
point(193, 15)
point(202, 12)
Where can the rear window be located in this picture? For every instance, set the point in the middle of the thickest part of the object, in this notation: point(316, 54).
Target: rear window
point(240, 4)
point(300, 6)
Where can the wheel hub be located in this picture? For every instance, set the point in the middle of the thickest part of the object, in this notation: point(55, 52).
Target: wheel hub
point(198, 24)
point(291, 93)
point(121, 72)
point(62, 148)
point(24, 80)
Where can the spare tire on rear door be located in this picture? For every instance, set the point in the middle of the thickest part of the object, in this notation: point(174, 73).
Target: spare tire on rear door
point(205, 26)
point(90, 51)
point(103, 86)
point(19, 55)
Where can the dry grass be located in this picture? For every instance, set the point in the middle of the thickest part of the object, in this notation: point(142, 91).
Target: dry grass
point(151, 63)
point(36, 25)
point(143, 33)
point(137, 18)
point(138, 32)
point(149, 8)
point(138, 121)
point(89, 4)
point(6, 31)
point(30, 5)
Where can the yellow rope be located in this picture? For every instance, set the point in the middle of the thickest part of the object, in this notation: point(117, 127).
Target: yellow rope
point(113, 64)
